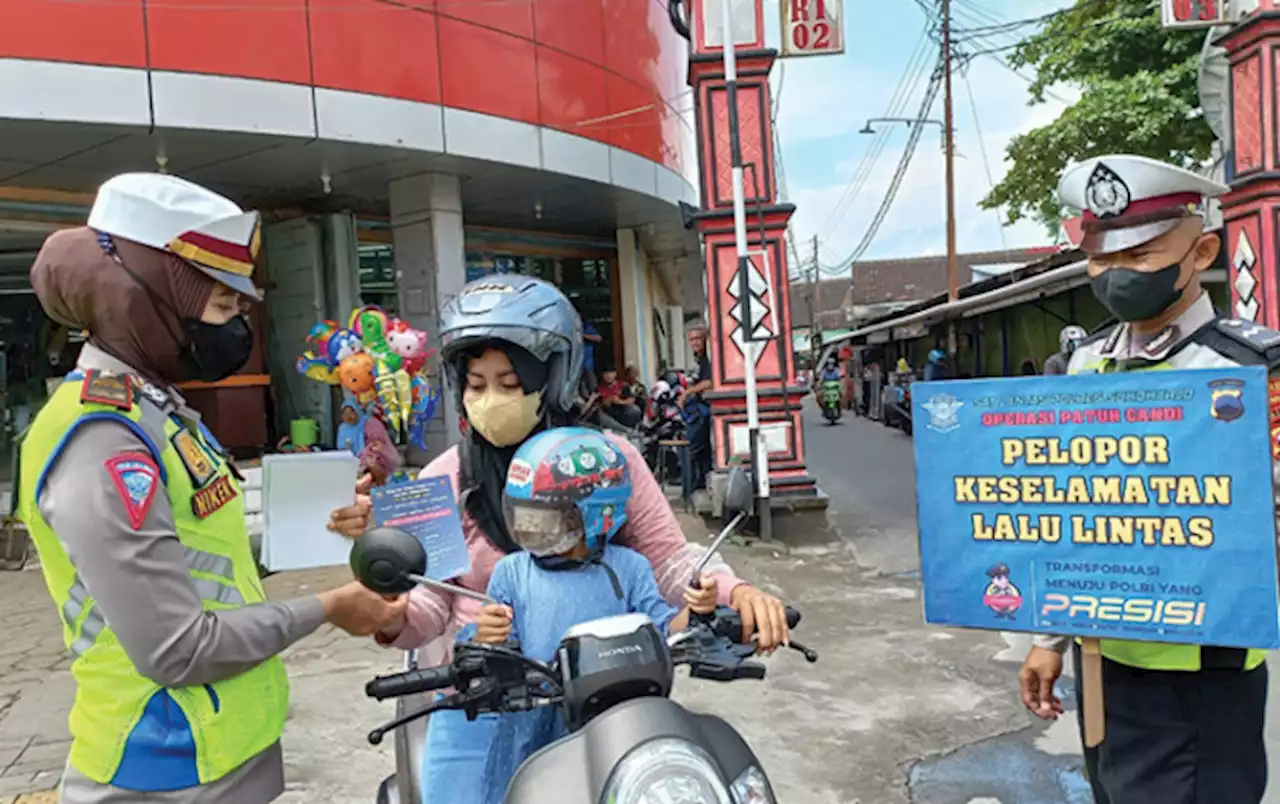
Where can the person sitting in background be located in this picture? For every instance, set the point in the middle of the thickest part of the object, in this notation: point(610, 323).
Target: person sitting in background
point(617, 399)
point(1070, 338)
point(632, 378)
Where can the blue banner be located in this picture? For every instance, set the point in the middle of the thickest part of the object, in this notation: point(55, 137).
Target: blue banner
point(1128, 506)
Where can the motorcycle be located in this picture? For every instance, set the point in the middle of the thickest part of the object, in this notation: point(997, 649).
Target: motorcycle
point(611, 679)
point(831, 400)
point(897, 403)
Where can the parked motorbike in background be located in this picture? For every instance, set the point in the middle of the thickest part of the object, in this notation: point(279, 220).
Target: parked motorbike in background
point(896, 410)
point(628, 743)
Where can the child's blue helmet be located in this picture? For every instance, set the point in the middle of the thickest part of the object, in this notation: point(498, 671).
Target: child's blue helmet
point(563, 485)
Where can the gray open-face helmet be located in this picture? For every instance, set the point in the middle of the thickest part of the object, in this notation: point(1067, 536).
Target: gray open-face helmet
point(1070, 337)
point(524, 311)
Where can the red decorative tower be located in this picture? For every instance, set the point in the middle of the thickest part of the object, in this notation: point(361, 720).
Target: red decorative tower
point(1251, 211)
point(781, 427)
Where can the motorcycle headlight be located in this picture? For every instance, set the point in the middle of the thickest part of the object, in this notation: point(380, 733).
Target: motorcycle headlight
point(751, 788)
point(666, 771)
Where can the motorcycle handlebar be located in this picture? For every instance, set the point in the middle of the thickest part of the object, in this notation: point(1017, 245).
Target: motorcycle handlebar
point(411, 682)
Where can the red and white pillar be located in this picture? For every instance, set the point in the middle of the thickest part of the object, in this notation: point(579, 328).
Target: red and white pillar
point(1251, 211)
point(781, 425)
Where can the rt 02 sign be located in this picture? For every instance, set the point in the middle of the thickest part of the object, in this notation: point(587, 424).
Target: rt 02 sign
point(812, 27)
point(1193, 13)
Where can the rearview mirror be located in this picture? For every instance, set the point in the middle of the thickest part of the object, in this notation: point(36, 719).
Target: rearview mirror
point(384, 559)
point(739, 495)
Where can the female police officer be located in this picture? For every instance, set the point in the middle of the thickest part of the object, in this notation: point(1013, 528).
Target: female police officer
point(137, 514)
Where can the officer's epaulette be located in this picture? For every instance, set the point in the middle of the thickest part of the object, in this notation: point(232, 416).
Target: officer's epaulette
point(119, 391)
point(107, 388)
point(1243, 341)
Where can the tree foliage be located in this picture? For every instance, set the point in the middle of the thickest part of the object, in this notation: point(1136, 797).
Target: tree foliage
point(1138, 84)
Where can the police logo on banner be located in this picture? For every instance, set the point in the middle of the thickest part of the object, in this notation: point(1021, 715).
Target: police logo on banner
point(135, 477)
point(944, 410)
point(1226, 399)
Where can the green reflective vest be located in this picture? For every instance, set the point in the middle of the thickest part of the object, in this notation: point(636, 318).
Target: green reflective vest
point(232, 720)
point(1197, 352)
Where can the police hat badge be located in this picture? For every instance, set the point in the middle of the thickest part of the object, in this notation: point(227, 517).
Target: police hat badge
point(1106, 193)
point(1226, 399)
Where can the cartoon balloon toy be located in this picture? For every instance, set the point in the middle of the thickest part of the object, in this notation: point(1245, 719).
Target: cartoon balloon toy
point(356, 374)
point(410, 344)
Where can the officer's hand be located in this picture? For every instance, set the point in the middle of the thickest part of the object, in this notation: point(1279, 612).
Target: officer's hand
point(353, 520)
point(362, 612)
point(1040, 670)
point(494, 624)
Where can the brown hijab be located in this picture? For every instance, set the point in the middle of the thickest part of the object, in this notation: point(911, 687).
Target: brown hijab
point(82, 286)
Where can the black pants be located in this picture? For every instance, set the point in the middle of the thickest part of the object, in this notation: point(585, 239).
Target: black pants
point(697, 431)
point(1178, 738)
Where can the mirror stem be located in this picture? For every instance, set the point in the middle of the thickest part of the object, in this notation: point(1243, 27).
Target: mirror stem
point(441, 586)
point(715, 545)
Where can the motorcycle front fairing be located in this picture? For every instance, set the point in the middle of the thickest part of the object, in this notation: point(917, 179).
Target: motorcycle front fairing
point(576, 768)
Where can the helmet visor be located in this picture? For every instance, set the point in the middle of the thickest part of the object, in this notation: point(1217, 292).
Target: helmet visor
point(543, 529)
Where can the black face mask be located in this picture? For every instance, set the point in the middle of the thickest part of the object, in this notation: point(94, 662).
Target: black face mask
point(212, 352)
point(1134, 295)
point(216, 351)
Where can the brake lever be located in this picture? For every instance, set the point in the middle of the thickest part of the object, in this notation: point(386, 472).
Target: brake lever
point(455, 701)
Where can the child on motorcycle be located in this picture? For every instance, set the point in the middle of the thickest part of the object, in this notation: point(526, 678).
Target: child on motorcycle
point(565, 498)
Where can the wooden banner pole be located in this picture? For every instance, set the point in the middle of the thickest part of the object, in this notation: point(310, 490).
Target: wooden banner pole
point(1095, 721)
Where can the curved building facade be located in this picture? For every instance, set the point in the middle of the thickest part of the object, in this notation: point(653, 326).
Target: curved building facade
point(396, 147)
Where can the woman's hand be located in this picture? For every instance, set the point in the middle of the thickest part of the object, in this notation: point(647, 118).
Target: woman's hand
point(702, 600)
point(353, 520)
point(494, 624)
point(763, 611)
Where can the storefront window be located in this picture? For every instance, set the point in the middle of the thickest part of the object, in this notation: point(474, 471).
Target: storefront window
point(378, 277)
point(583, 272)
point(585, 281)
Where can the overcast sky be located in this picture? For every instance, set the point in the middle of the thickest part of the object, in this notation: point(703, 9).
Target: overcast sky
point(825, 101)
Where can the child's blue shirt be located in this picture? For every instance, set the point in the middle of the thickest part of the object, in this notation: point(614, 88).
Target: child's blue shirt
point(474, 762)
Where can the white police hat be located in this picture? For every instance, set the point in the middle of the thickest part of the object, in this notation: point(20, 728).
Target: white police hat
point(165, 212)
point(1130, 200)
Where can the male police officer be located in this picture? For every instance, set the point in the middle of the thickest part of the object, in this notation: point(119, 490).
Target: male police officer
point(1184, 724)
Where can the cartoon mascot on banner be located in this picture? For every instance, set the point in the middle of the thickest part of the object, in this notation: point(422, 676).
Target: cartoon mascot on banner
point(380, 362)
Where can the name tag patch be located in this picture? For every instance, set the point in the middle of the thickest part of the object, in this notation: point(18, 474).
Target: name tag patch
point(100, 388)
point(135, 477)
point(199, 464)
point(207, 500)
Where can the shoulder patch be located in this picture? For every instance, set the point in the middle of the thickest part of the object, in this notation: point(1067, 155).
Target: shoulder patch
point(135, 477)
point(1255, 336)
point(102, 388)
point(198, 463)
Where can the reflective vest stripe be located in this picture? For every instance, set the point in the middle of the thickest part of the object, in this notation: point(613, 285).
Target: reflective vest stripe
point(210, 563)
point(221, 590)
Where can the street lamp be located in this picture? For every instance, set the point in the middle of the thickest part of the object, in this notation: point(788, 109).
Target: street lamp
point(910, 121)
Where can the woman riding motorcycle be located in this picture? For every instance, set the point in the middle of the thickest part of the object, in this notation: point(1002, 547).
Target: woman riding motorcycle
point(512, 353)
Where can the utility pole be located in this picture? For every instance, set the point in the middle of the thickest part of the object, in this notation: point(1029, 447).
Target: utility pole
point(813, 292)
point(750, 348)
point(953, 272)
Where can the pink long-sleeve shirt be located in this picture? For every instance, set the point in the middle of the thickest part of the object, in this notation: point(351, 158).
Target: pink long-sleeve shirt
point(433, 618)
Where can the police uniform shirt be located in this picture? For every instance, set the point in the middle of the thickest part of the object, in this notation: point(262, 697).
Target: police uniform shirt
point(140, 579)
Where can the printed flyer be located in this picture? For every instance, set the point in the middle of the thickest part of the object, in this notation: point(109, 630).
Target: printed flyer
point(427, 509)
